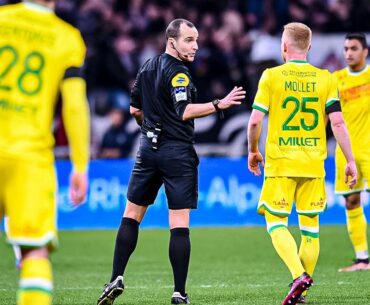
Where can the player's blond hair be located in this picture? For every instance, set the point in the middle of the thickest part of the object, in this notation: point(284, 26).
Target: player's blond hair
point(298, 35)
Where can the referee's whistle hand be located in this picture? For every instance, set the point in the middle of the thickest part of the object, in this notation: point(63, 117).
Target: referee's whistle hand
point(78, 187)
point(234, 97)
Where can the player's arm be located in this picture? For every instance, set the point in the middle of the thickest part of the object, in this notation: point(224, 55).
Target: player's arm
point(76, 120)
point(254, 133)
point(342, 137)
point(260, 108)
point(75, 111)
point(340, 132)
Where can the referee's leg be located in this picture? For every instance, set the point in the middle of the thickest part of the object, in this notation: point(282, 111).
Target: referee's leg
point(179, 248)
point(127, 236)
point(126, 241)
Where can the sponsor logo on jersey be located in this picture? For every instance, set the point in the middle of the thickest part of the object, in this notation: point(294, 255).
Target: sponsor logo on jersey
point(355, 92)
point(180, 80)
point(318, 204)
point(298, 141)
point(180, 94)
point(281, 203)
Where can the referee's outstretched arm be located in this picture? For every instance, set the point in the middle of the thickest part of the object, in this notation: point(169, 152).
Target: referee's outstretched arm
point(234, 97)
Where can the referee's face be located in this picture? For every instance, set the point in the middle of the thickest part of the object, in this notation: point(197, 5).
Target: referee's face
point(355, 54)
point(186, 43)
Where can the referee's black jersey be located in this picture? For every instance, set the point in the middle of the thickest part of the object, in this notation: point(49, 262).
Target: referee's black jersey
point(162, 90)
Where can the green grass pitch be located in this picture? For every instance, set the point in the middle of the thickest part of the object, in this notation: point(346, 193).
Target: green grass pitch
point(228, 266)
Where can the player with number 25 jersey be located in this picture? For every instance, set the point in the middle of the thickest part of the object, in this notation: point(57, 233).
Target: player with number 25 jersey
point(296, 96)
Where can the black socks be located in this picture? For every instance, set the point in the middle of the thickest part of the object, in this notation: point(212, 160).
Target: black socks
point(179, 252)
point(126, 241)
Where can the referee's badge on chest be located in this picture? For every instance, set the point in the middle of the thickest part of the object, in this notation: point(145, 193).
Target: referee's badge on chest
point(180, 94)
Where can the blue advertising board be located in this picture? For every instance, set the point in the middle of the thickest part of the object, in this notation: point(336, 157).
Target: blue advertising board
point(228, 196)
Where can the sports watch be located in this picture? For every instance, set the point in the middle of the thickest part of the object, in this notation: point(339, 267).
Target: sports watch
point(215, 103)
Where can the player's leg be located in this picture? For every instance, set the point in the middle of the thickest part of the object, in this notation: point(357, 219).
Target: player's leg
point(311, 201)
point(284, 243)
point(310, 246)
point(357, 230)
point(4, 172)
point(16, 249)
point(276, 204)
point(36, 281)
point(286, 248)
point(32, 213)
point(355, 217)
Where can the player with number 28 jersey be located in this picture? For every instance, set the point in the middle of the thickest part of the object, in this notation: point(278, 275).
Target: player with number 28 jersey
point(34, 58)
point(40, 57)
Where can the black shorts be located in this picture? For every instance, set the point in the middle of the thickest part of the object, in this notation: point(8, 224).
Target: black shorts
point(174, 164)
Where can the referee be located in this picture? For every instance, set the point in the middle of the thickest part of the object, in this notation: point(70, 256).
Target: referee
point(163, 104)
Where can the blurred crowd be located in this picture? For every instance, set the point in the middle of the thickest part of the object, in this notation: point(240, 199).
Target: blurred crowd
point(238, 39)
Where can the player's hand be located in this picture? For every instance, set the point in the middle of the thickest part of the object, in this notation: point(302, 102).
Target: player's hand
point(78, 187)
point(351, 174)
point(233, 98)
point(254, 159)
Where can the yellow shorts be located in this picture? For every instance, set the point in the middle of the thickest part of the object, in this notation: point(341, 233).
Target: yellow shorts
point(363, 169)
point(278, 194)
point(28, 198)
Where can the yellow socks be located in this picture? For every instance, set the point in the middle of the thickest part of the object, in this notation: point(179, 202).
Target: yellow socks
point(284, 243)
point(357, 228)
point(35, 283)
point(310, 246)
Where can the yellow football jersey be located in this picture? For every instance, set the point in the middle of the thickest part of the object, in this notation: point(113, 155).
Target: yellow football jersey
point(295, 96)
point(354, 93)
point(36, 49)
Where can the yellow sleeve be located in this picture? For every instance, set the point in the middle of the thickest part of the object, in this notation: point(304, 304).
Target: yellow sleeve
point(262, 99)
point(333, 90)
point(76, 118)
point(75, 54)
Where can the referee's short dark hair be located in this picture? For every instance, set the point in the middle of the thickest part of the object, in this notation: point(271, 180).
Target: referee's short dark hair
point(173, 29)
point(361, 37)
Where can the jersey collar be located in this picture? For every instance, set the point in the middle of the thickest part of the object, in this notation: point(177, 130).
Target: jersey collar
point(298, 61)
point(37, 7)
point(357, 72)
